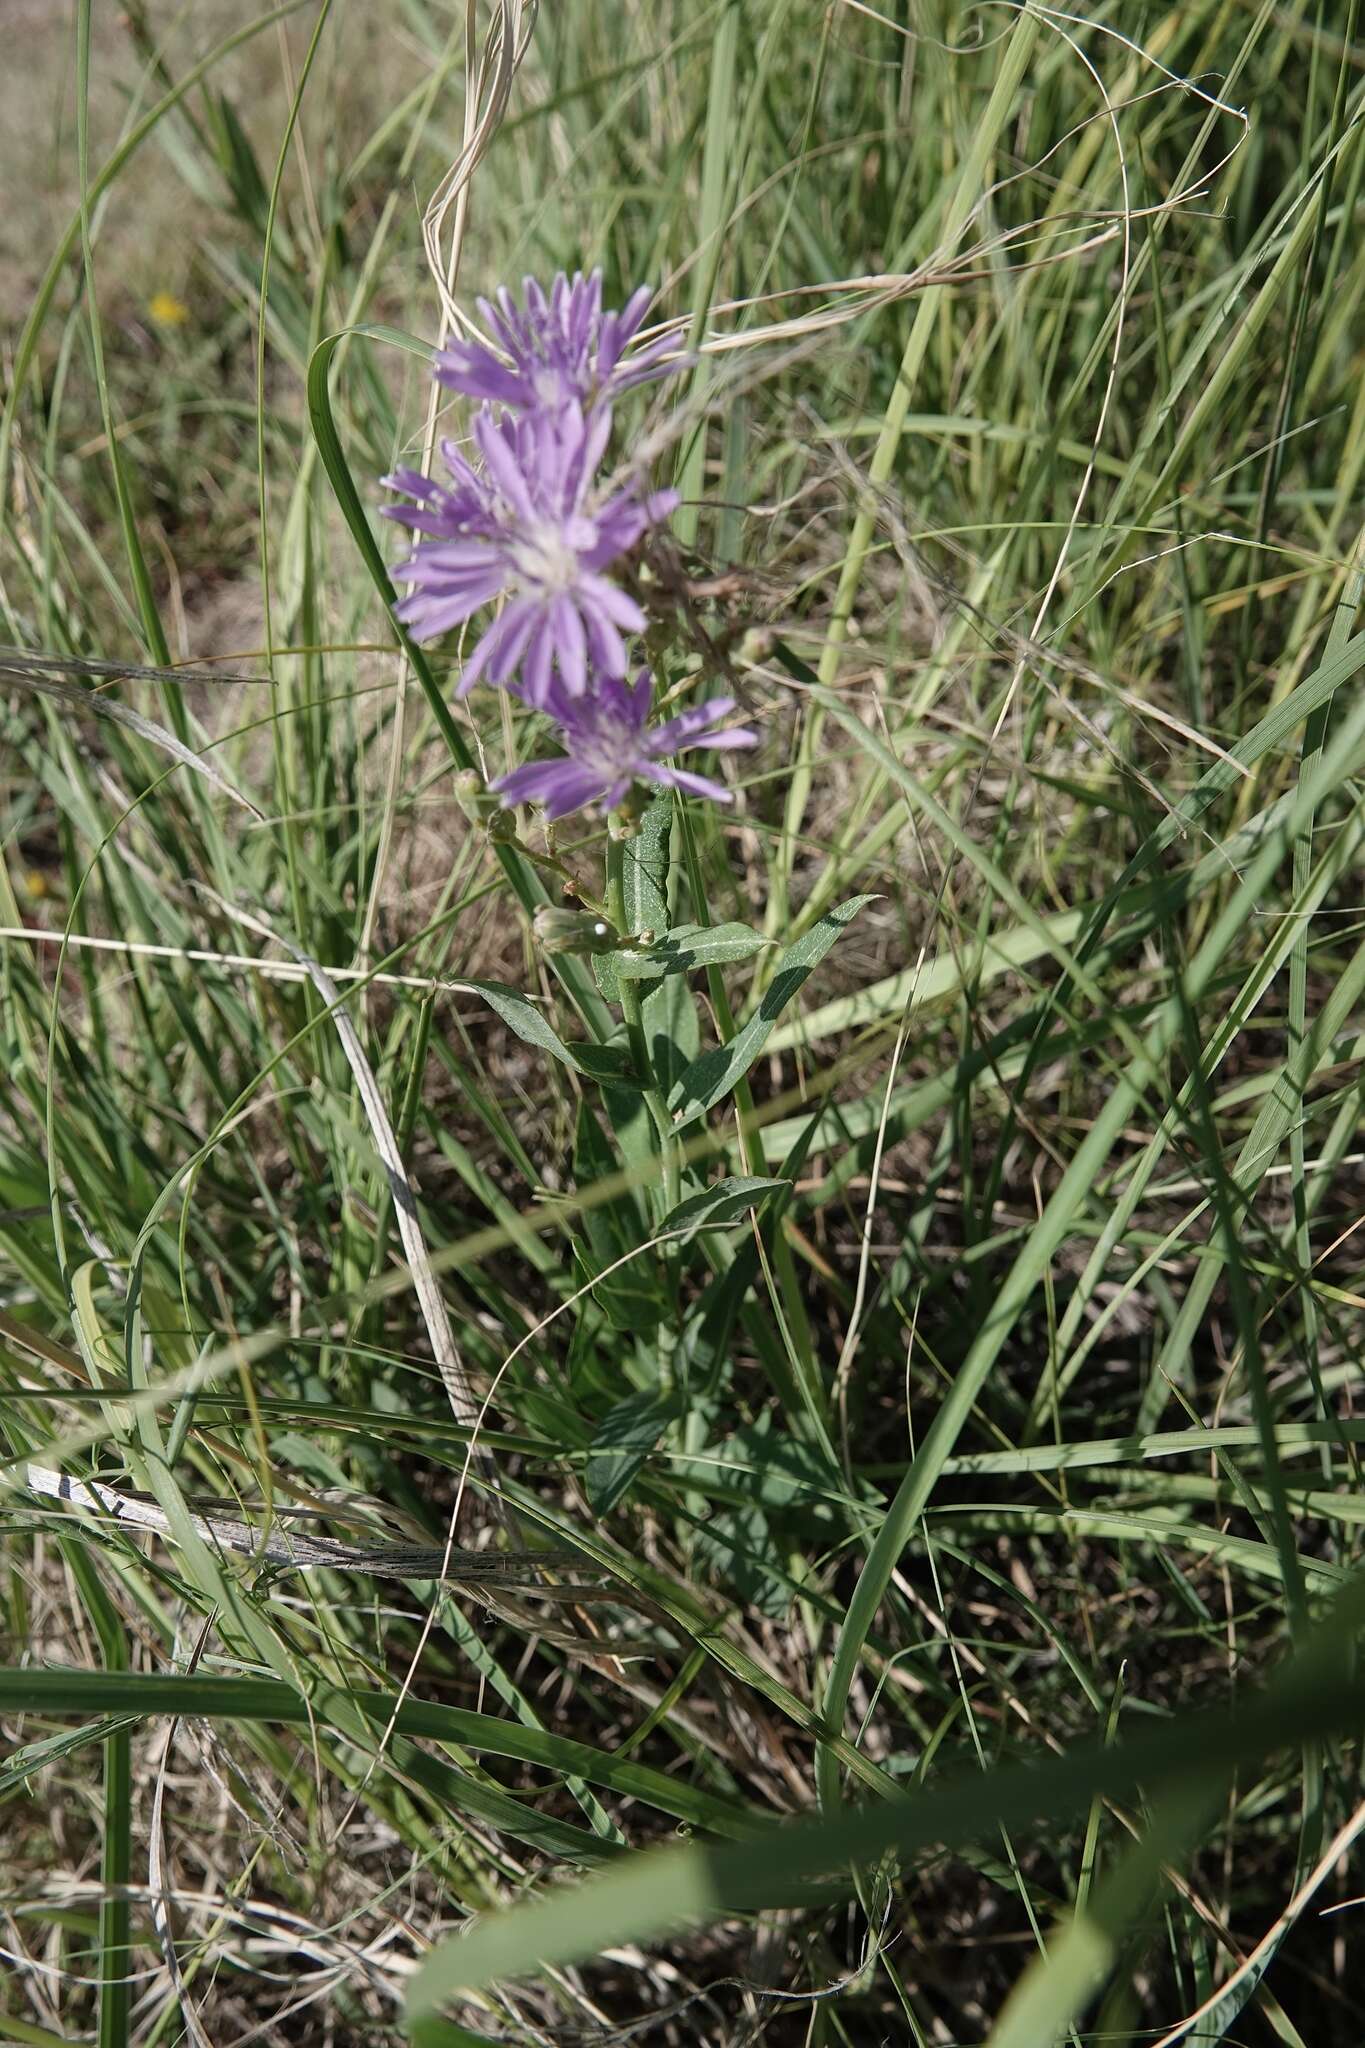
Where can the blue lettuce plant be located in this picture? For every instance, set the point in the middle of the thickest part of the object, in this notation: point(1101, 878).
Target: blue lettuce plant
point(526, 545)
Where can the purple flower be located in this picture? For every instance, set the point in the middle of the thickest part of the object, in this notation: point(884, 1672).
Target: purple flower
point(555, 352)
point(610, 746)
point(527, 527)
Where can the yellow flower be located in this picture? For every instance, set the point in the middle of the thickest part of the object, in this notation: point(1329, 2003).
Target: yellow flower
point(166, 310)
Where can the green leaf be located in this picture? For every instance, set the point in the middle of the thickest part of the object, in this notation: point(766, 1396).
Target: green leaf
point(758, 1463)
point(438, 2033)
point(629, 1297)
point(686, 947)
point(21, 1764)
point(206, 1696)
point(644, 886)
point(672, 1030)
point(715, 1073)
point(624, 1439)
point(528, 1020)
point(724, 1202)
point(239, 163)
point(741, 1547)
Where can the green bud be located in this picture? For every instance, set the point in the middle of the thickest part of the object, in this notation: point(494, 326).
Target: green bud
point(660, 635)
point(574, 931)
point(472, 797)
point(624, 821)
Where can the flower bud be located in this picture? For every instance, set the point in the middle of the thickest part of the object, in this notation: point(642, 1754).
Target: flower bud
point(659, 637)
point(574, 931)
point(624, 821)
point(477, 803)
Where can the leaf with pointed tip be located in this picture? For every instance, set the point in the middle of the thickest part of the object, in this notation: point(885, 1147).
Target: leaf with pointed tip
point(624, 1439)
point(724, 1202)
point(533, 1027)
point(715, 1073)
point(686, 947)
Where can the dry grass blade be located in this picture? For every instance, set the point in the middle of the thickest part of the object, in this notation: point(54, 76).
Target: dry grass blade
point(487, 91)
point(432, 1302)
point(284, 1549)
point(227, 963)
point(86, 702)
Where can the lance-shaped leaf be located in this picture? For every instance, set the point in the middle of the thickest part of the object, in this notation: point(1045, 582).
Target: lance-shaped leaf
point(686, 947)
point(520, 1014)
point(623, 1441)
point(724, 1202)
point(715, 1073)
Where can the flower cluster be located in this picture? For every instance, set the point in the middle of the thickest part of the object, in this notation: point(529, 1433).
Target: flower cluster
point(528, 525)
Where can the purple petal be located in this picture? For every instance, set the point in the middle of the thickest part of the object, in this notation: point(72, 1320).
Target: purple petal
point(605, 644)
point(455, 460)
point(535, 674)
point(573, 794)
point(634, 310)
point(595, 439)
point(429, 617)
point(698, 785)
point(412, 516)
point(660, 505)
point(571, 644)
point(500, 648)
point(475, 372)
point(459, 556)
point(683, 730)
point(502, 466)
point(410, 481)
point(732, 737)
point(562, 786)
point(518, 621)
point(461, 592)
point(468, 591)
point(641, 694)
point(619, 525)
point(615, 604)
point(647, 363)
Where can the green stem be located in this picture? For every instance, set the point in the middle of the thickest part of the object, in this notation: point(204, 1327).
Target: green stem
point(635, 1031)
point(644, 1068)
point(750, 1144)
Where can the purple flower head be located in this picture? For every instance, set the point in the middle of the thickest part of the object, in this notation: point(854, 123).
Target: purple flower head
point(609, 746)
point(527, 528)
point(559, 351)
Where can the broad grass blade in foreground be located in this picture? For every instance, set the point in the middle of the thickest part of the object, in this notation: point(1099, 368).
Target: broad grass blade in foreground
point(1317, 1695)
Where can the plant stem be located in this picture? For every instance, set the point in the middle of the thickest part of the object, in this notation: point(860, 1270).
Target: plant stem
point(635, 1031)
point(644, 1069)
